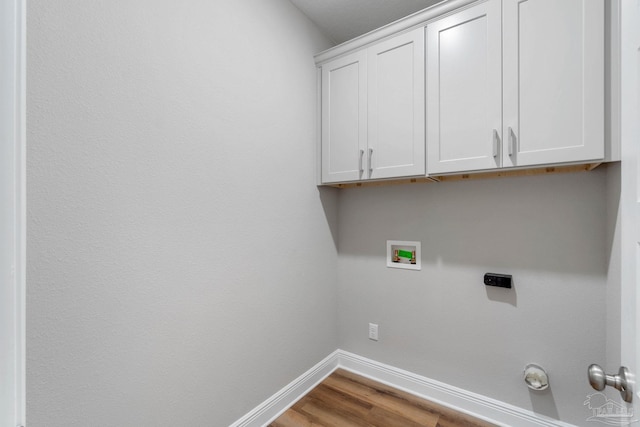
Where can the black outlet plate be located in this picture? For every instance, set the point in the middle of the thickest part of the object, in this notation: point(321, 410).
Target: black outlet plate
point(499, 280)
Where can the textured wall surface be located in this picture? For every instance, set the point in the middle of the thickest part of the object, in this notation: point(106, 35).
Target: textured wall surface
point(549, 232)
point(614, 279)
point(181, 262)
point(182, 265)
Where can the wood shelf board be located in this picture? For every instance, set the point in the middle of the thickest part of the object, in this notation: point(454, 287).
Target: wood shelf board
point(382, 183)
point(473, 176)
point(519, 172)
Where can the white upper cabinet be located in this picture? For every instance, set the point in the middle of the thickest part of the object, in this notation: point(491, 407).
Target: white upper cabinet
point(516, 83)
point(492, 84)
point(553, 81)
point(373, 111)
point(344, 118)
point(464, 90)
point(396, 140)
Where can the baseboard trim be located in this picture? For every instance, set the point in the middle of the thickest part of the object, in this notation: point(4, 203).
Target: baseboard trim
point(274, 406)
point(474, 404)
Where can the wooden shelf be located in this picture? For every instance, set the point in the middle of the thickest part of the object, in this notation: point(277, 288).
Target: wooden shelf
point(473, 176)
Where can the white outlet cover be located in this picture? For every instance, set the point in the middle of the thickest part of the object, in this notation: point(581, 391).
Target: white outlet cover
point(373, 331)
point(404, 245)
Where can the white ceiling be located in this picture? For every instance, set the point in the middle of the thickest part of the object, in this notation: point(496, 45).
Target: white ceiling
point(342, 20)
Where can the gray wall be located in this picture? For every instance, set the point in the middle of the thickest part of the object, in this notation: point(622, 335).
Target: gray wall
point(181, 268)
point(613, 358)
point(182, 264)
point(549, 232)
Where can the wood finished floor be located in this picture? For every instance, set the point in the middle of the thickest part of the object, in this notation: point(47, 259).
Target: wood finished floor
point(345, 399)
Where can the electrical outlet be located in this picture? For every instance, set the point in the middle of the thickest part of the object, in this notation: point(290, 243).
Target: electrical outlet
point(373, 331)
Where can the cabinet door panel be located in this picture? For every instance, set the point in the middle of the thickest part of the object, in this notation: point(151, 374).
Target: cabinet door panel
point(344, 121)
point(464, 90)
point(396, 107)
point(553, 81)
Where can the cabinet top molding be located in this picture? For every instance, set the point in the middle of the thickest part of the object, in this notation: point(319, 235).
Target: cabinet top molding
point(409, 22)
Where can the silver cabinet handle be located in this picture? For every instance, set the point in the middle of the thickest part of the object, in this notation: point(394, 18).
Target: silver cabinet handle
point(512, 141)
point(361, 166)
point(495, 143)
point(370, 161)
point(599, 380)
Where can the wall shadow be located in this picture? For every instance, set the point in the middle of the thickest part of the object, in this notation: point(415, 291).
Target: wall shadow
point(543, 403)
point(547, 223)
point(329, 200)
point(503, 295)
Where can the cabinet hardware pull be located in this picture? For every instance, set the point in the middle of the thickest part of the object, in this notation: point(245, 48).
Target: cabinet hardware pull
point(370, 161)
point(495, 143)
point(361, 166)
point(512, 142)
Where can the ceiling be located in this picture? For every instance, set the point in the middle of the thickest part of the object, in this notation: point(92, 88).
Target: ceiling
point(342, 20)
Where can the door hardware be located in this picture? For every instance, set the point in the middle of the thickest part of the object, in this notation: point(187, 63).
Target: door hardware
point(599, 380)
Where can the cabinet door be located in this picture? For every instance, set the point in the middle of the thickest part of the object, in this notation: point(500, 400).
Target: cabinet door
point(553, 81)
point(344, 118)
point(464, 90)
point(396, 140)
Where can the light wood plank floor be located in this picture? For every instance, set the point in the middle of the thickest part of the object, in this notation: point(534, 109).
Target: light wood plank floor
point(345, 399)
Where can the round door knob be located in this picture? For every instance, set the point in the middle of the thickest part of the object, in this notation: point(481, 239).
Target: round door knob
point(597, 377)
point(599, 380)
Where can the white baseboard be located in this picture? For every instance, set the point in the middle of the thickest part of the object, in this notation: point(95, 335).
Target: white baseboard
point(274, 406)
point(479, 406)
point(474, 404)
